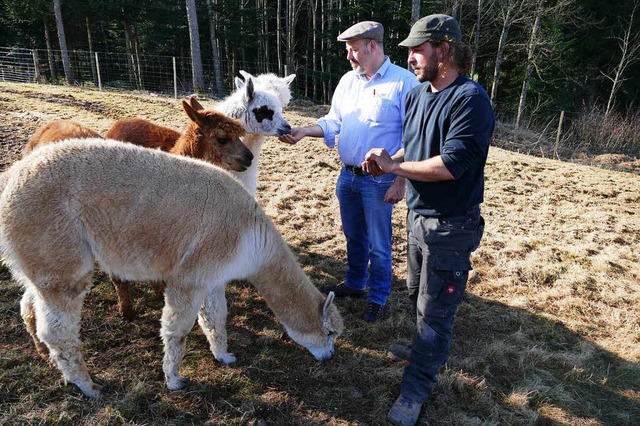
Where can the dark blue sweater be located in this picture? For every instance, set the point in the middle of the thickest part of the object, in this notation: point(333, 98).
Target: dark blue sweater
point(456, 123)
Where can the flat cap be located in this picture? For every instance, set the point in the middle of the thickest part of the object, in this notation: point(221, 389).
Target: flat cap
point(365, 29)
point(432, 27)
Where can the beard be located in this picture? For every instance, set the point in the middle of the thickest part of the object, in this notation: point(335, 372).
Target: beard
point(430, 71)
point(355, 65)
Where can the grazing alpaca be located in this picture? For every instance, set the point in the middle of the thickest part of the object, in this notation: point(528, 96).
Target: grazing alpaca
point(210, 136)
point(143, 214)
point(58, 130)
point(260, 111)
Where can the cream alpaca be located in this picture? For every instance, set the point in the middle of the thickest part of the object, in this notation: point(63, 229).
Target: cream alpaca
point(146, 215)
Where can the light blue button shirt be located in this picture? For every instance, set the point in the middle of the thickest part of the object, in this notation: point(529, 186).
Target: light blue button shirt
point(368, 114)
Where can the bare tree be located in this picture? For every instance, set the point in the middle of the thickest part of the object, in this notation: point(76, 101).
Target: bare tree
point(509, 12)
point(66, 64)
point(533, 40)
point(629, 44)
point(415, 11)
point(215, 47)
point(194, 37)
point(47, 38)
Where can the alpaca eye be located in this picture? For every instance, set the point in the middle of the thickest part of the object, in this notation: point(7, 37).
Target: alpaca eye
point(223, 141)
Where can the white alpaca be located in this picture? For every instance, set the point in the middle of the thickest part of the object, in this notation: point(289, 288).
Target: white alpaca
point(259, 109)
point(146, 215)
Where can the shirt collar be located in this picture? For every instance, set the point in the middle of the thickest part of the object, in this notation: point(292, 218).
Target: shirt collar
point(381, 71)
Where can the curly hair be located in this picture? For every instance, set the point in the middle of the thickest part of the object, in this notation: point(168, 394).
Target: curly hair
point(459, 53)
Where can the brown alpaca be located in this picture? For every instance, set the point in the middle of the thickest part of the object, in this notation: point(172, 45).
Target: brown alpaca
point(210, 136)
point(56, 131)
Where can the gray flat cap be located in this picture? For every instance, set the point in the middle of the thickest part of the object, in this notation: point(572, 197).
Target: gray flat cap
point(366, 29)
point(432, 27)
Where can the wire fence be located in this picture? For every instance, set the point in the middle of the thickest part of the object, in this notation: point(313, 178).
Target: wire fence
point(167, 75)
point(590, 130)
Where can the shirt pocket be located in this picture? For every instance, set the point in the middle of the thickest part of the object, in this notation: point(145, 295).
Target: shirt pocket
point(378, 109)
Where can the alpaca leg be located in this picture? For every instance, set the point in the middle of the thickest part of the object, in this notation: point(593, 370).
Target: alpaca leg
point(158, 287)
point(178, 317)
point(58, 326)
point(28, 313)
point(213, 321)
point(123, 290)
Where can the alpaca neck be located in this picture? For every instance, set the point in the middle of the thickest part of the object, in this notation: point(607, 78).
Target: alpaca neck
point(249, 178)
point(186, 144)
point(289, 292)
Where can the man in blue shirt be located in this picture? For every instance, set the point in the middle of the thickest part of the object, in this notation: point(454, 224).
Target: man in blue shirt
point(367, 111)
point(448, 128)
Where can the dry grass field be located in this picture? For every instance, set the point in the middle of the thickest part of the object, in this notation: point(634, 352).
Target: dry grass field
point(549, 333)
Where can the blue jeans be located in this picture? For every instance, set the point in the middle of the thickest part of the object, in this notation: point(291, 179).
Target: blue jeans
point(366, 222)
point(438, 265)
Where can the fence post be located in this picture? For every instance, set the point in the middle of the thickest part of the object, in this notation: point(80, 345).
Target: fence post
point(98, 71)
point(559, 133)
point(36, 65)
point(175, 79)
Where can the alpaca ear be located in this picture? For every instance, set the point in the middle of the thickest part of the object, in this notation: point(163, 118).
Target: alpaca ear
point(193, 114)
point(245, 74)
point(325, 309)
point(239, 83)
point(289, 79)
point(195, 104)
point(249, 89)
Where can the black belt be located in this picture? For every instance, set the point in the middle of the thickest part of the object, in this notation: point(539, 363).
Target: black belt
point(358, 171)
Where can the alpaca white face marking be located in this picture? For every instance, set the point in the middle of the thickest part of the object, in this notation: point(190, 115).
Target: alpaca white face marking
point(262, 111)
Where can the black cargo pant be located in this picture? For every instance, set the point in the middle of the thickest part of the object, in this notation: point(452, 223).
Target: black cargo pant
point(438, 265)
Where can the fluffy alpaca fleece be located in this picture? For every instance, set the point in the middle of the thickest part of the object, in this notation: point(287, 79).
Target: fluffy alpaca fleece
point(146, 215)
point(260, 112)
point(58, 130)
point(210, 136)
point(271, 83)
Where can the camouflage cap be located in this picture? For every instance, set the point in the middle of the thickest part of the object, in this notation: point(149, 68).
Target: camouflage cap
point(365, 29)
point(432, 27)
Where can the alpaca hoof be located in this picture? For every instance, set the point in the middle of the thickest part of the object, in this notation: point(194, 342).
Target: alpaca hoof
point(226, 358)
point(92, 391)
point(178, 384)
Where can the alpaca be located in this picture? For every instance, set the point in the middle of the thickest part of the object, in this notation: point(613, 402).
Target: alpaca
point(144, 214)
point(58, 130)
point(210, 136)
point(271, 83)
point(260, 111)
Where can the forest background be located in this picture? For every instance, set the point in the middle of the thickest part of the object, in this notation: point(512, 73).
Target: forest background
point(540, 60)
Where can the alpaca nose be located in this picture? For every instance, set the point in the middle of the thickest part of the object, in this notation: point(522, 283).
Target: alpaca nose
point(284, 130)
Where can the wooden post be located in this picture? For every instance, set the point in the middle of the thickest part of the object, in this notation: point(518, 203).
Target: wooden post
point(36, 65)
point(175, 80)
point(559, 133)
point(98, 71)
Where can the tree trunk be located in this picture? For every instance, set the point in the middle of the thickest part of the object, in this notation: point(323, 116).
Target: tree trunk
point(278, 35)
point(415, 11)
point(66, 64)
point(630, 50)
point(215, 49)
point(50, 57)
point(476, 41)
point(502, 44)
point(196, 56)
point(530, 57)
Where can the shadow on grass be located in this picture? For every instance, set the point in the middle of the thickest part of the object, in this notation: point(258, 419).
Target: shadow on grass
point(507, 366)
